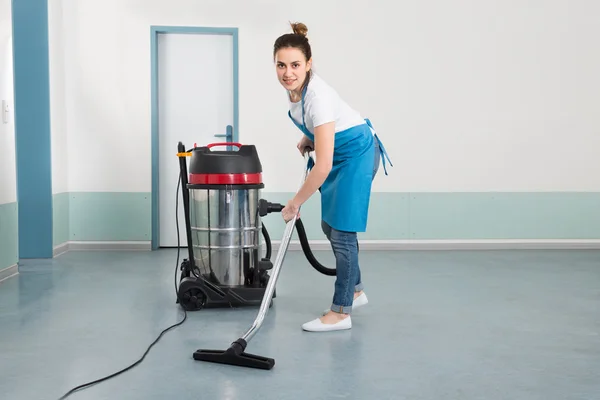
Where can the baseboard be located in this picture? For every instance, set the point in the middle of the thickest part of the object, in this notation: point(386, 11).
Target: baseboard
point(9, 272)
point(392, 245)
point(367, 245)
point(102, 246)
point(60, 249)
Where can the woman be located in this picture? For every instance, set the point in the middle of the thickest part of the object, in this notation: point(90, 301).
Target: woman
point(348, 155)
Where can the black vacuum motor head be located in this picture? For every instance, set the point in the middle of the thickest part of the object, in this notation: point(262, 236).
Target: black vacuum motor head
point(211, 169)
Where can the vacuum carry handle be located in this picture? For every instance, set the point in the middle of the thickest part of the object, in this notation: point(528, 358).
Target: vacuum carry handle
point(238, 145)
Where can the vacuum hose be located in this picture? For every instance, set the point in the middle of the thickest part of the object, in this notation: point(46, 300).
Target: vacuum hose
point(265, 208)
point(308, 252)
point(267, 241)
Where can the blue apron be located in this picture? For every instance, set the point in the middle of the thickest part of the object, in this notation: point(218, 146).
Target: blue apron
point(346, 192)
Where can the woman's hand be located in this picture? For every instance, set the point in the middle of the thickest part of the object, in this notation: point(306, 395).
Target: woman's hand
point(290, 210)
point(304, 143)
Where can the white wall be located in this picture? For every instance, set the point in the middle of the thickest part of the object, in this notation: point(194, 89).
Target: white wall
point(58, 108)
point(467, 95)
point(8, 188)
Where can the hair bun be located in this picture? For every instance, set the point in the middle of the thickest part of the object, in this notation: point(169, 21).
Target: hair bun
point(299, 28)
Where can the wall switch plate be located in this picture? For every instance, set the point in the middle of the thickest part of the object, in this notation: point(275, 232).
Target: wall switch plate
point(5, 111)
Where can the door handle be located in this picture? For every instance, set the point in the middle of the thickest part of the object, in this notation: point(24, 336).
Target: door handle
point(228, 135)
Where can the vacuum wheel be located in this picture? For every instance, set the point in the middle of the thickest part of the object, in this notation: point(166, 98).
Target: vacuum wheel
point(193, 299)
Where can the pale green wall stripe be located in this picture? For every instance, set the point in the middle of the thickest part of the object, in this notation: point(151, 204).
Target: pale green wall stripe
point(60, 218)
point(465, 216)
point(9, 235)
point(393, 216)
point(544, 215)
point(109, 216)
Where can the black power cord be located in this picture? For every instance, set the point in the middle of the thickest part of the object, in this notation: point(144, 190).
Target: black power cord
point(86, 385)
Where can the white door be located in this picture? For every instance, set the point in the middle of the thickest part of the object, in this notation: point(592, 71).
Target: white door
point(195, 105)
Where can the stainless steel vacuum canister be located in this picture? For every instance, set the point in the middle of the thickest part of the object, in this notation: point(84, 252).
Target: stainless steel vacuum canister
point(225, 188)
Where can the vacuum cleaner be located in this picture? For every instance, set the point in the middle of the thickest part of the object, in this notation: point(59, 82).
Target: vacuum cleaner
point(225, 268)
point(225, 234)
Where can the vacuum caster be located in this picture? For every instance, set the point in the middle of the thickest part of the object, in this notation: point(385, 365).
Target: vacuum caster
point(192, 296)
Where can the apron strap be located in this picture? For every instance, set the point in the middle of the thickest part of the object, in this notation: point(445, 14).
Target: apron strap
point(302, 99)
point(382, 150)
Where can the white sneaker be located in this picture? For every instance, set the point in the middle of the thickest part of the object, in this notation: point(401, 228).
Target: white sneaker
point(317, 326)
point(358, 302)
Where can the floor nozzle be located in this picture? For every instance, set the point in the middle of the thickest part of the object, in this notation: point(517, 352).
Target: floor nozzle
point(235, 355)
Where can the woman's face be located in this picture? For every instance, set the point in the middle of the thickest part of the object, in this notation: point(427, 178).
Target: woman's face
point(291, 67)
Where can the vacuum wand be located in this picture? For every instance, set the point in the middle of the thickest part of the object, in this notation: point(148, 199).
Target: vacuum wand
point(264, 306)
point(235, 354)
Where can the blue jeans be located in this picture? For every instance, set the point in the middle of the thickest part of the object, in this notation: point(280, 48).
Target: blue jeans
point(345, 248)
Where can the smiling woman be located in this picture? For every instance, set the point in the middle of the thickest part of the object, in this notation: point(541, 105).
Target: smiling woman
point(348, 155)
point(293, 57)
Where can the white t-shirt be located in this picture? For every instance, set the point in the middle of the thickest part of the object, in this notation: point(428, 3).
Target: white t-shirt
point(322, 104)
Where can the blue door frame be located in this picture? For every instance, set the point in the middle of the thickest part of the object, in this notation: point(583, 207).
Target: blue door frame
point(154, 32)
point(33, 150)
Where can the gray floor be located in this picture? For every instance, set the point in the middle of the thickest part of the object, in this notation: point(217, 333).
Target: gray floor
point(440, 325)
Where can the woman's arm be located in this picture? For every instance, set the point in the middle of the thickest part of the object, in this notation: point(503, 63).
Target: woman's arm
point(324, 144)
point(324, 141)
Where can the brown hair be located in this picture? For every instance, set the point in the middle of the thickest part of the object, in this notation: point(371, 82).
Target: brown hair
point(298, 40)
